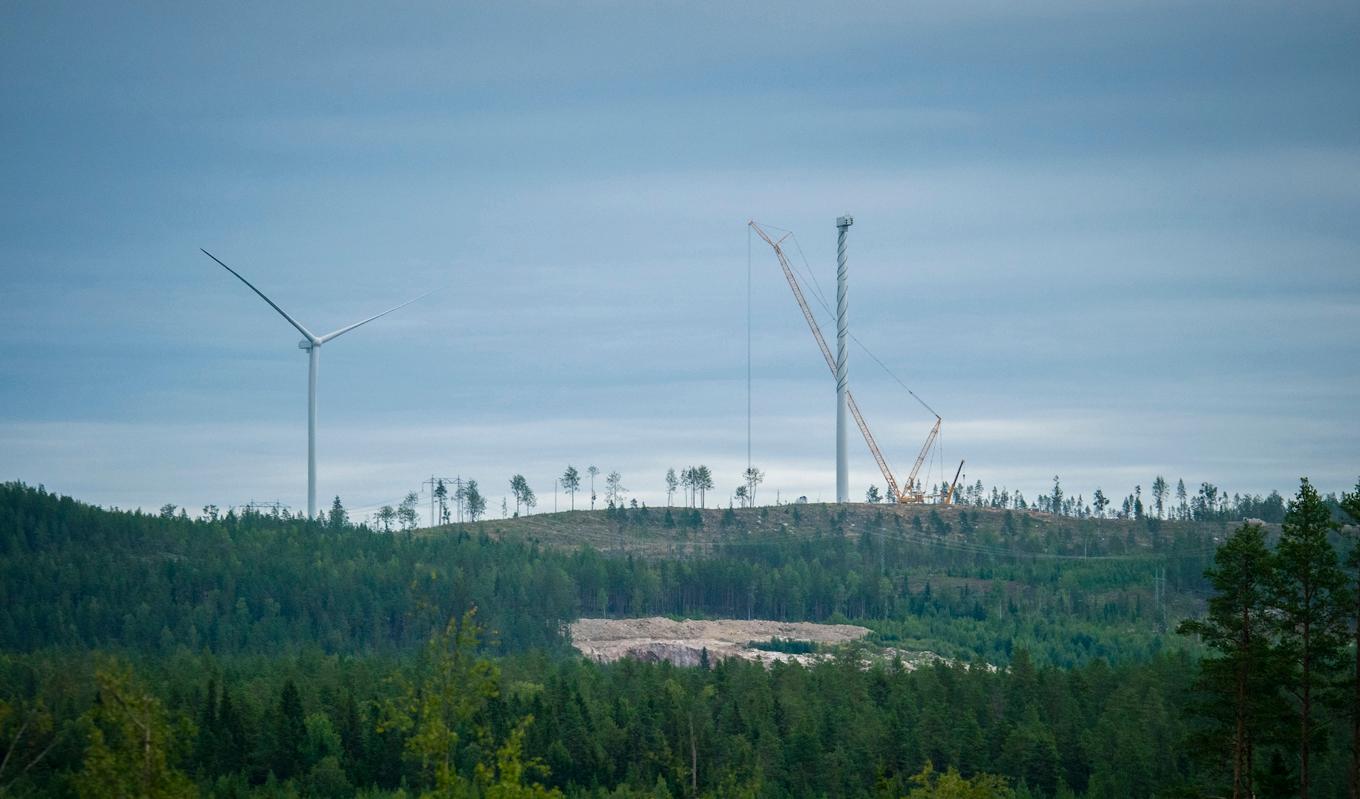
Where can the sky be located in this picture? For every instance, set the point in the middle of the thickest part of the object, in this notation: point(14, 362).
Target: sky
point(1104, 241)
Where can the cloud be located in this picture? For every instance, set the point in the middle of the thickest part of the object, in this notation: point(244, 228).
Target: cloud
point(1103, 241)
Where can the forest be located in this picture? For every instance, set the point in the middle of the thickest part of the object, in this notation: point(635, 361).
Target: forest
point(261, 655)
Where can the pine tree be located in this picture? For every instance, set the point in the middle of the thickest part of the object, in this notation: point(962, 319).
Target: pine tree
point(1240, 680)
point(571, 483)
point(1308, 600)
point(1350, 503)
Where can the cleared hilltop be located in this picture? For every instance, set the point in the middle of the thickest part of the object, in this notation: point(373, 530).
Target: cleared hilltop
point(967, 583)
point(672, 531)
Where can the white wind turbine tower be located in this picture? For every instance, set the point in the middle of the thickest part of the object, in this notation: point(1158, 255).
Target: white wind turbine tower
point(312, 344)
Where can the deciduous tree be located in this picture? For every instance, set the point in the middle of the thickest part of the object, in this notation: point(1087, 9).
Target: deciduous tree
point(407, 515)
point(753, 477)
point(128, 737)
point(473, 499)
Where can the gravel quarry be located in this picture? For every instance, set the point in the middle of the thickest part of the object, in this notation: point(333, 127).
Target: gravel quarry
point(657, 638)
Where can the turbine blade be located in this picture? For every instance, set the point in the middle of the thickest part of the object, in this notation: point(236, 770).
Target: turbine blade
point(304, 331)
point(344, 330)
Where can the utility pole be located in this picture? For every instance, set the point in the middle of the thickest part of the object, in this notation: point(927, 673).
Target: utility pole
point(1159, 592)
point(432, 483)
point(842, 366)
point(274, 507)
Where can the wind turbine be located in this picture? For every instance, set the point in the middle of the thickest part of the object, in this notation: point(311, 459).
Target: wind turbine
point(312, 344)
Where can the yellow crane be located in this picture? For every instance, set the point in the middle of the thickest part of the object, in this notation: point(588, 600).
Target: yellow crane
point(949, 497)
point(911, 492)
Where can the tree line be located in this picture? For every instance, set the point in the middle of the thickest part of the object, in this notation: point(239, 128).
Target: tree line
point(271, 656)
point(1280, 625)
point(1162, 502)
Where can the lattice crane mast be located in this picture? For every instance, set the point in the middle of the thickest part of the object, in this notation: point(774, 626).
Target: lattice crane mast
point(912, 492)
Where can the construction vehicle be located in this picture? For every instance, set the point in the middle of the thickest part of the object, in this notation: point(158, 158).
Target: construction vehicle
point(911, 492)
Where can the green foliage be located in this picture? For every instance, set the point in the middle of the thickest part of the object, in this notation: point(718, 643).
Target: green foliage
point(73, 575)
point(930, 784)
point(26, 739)
point(442, 714)
point(128, 741)
point(474, 501)
point(571, 483)
point(435, 709)
point(788, 645)
point(290, 732)
point(1239, 700)
point(1309, 600)
point(1277, 628)
point(301, 651)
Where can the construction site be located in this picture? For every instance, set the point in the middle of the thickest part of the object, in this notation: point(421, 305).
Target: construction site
point(911, 490)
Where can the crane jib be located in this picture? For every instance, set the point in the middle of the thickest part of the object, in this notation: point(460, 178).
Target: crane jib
point(912, 494)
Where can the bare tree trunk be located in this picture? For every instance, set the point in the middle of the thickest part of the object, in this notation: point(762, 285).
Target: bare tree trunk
point(1355, 705)
point(1239, 737)
point(1306, 712)
point(693, 759)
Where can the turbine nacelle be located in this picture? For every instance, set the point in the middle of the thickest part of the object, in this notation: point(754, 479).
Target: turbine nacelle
point(311, 344)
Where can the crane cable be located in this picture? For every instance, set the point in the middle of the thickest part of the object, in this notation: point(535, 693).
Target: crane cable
point(811, 277)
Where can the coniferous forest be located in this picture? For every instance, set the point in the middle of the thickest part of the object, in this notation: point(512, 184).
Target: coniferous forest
point(249, 654)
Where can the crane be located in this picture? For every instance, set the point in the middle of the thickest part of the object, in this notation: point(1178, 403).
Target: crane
point(949, 497)
point(911, 493)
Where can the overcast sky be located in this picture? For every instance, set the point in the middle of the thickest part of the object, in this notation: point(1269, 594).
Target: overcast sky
point(1103, 240)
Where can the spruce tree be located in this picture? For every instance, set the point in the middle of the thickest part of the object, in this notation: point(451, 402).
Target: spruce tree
point(206, 746)
point(232, 742)
point(1309, 593)
point(289, 731)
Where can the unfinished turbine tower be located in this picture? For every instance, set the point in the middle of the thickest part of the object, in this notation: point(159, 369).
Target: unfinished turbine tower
point(312, 344)
point(910, 492)
point(842, 366)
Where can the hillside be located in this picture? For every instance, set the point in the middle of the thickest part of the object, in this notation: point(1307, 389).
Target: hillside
point(672, 531)
point(278, 650)
point(966, 583)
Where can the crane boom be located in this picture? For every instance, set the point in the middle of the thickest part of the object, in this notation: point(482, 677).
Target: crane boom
point(921, 459)
point(893, 490)
point(949, 498)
